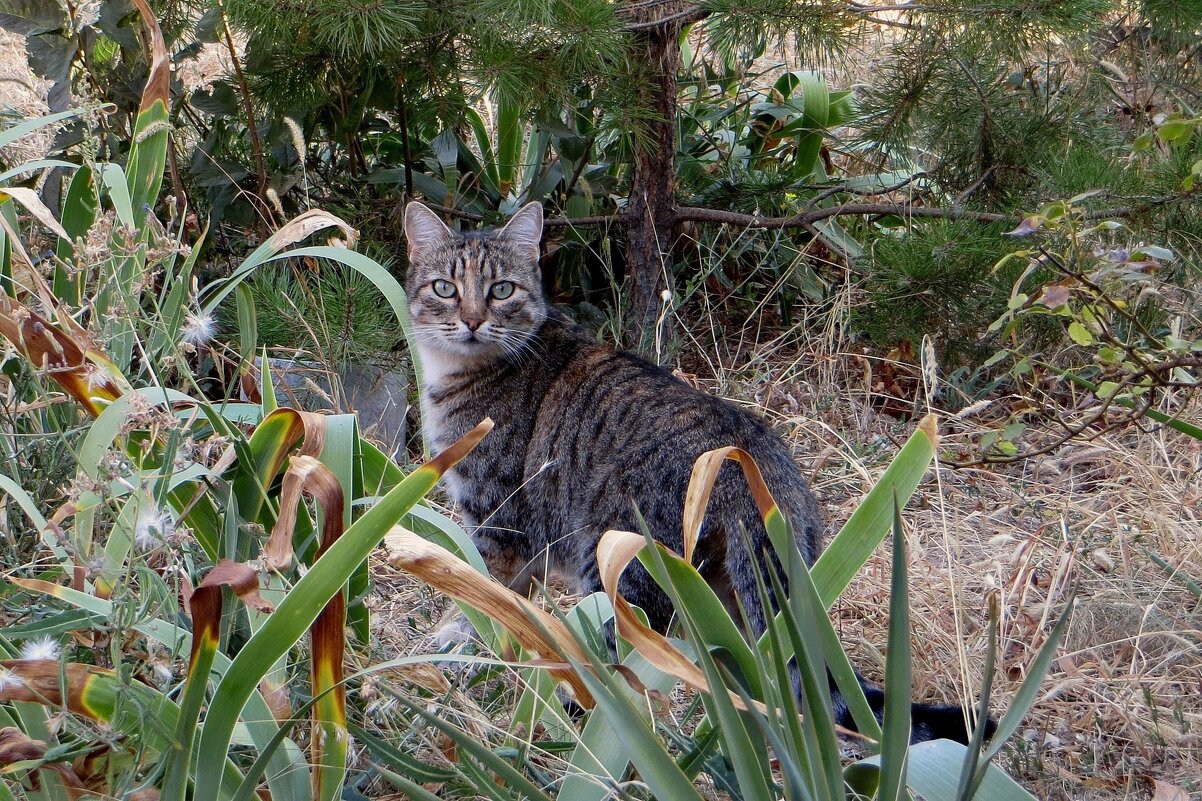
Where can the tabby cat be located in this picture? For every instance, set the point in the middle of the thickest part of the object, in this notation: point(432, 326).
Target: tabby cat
point(584, 435)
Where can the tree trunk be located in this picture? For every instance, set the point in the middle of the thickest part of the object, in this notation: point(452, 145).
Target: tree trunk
point(650, 212)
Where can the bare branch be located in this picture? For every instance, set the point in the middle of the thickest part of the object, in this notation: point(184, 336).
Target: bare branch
point(808, 218)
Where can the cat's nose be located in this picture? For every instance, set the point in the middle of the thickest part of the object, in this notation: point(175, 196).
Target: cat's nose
point(472, 324)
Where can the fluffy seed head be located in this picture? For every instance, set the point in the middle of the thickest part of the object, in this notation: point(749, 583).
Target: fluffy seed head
point(40, 648)
point(198, 329)
point(152, 527)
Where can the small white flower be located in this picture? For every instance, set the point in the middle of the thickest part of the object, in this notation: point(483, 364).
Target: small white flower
point(198, 329)
point(40, 648)
point(152, 527)
point(8, 679)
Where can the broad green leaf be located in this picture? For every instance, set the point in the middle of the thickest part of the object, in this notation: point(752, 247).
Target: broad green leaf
point(872, 519)
point(747, 753)
point(1079, 333)
point(644, 749)
point(817, 107)
point(78, 214)
point(10, 135)
point(147, 158)
point(600, 758)
point(36, 165)
point(934, 770)
point(696, 601)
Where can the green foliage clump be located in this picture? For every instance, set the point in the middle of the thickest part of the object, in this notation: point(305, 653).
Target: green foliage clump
point(1130, 340)
point(1079, 167)
point(936, 279)
point(329, 311)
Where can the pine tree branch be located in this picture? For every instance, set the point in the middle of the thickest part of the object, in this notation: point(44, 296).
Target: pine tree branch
point(646, 15)
point(572, 222)
point(681, 18)
point(551, 222)
point(808, 218)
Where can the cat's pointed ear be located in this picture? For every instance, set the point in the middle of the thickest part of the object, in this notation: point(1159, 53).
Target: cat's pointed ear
point(423, 230)
point(525, 229)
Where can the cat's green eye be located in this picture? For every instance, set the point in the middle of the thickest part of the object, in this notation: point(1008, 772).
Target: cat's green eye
point(501, 289)
point(444, 289)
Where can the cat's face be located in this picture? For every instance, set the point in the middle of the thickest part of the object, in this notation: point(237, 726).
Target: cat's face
point(475, 296)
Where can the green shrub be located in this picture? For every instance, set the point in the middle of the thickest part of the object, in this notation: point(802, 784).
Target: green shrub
point(320, 308)
point(935, 279)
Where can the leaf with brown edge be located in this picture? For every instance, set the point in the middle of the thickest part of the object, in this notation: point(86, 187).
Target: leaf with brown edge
point(304, 225)
point(270, 444)
point(82, 371)
point(276, 697)
point(17, 747)
point(148, 150)
point(701, 485)
point(206, 604)
point(461, 448)
point(239, 577)
point(34, 205)
point(534, 629)
point(301, 606)
point(158, 83)
point(92, 692)
point(305, 475)
point(327, 635)
point(615, 551)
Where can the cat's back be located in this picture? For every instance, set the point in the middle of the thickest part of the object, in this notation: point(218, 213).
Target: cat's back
point(613, 429)
point(612, 403)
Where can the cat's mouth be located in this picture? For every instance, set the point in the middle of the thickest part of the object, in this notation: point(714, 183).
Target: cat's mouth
point(469, 343)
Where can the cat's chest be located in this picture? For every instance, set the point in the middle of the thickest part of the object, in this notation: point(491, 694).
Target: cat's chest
point(454, 399)
point(437, 385)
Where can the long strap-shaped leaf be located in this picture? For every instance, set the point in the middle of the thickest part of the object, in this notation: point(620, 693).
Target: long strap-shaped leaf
point(148, 151)
point(895, 728)
point(176, 638)
point(206, 606)
point(81, 370)
point(103, 695)
point(309, 596)
point(871, 522)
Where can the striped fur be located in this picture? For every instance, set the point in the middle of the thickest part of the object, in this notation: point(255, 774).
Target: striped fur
point(583, 435)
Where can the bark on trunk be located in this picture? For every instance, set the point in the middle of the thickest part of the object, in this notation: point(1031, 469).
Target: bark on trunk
point(651, 208)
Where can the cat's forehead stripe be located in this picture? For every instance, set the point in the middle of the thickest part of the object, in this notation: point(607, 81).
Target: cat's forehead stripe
point(476, 258)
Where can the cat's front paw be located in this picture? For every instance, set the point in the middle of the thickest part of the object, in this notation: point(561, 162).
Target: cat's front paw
point(457, 631)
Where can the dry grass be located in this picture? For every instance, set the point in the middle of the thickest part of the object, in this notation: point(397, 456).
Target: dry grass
point(24, 97)
point(1123, 707)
